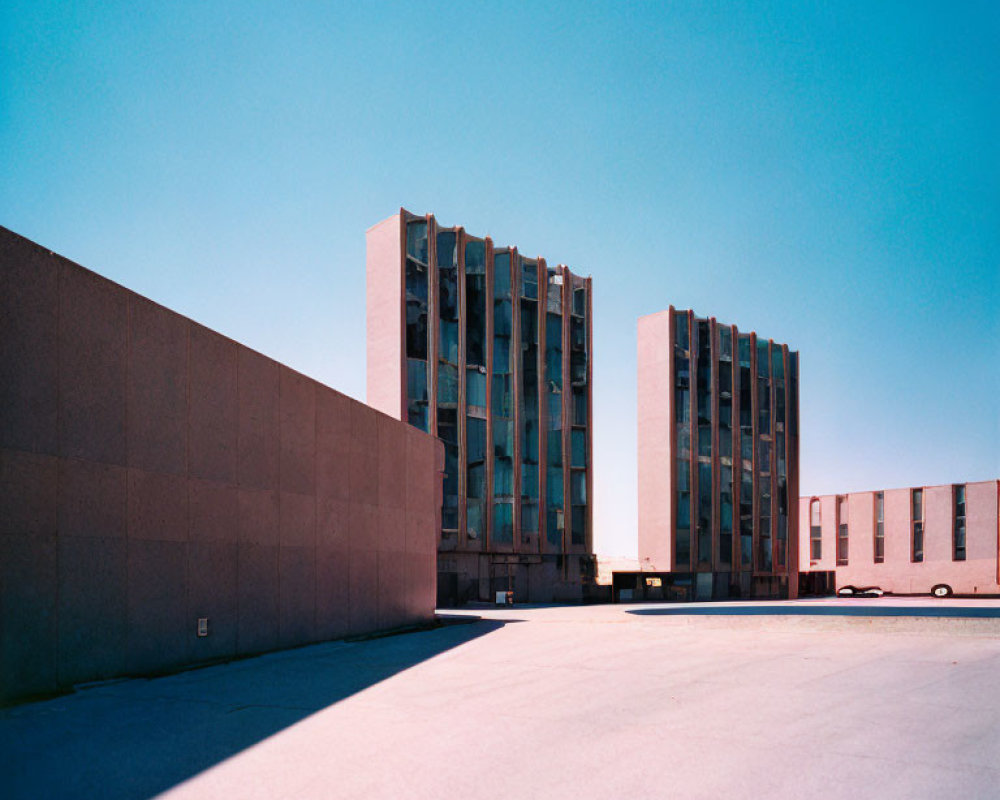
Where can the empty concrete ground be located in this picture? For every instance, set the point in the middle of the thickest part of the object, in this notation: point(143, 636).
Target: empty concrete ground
point(890, 700)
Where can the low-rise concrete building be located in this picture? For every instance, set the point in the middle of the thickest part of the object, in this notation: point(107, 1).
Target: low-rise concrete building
point(927, 539)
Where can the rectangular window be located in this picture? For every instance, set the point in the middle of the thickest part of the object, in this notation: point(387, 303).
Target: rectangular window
point(917, 526)
point(681, 341)
point(842, 545)
point(815, 532)
point(879, 527)
point(842, 538)
point(958, 536)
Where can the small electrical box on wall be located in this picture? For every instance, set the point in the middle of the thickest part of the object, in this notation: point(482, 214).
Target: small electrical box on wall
point(202, 626)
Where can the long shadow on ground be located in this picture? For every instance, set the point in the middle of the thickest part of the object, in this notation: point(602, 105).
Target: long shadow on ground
point(819, 611)
point(137, 738)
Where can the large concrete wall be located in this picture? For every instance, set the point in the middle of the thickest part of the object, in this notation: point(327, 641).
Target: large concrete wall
point(153, 472)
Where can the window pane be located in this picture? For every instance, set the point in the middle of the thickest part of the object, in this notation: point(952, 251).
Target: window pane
point(578, 441)
point(503, 523)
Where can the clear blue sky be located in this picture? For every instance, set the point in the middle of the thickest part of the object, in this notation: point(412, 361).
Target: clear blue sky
point(825, 173)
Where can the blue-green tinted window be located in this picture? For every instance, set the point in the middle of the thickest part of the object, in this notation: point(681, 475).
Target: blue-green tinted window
point(553, 349)
point(744, 347)
point(554, 486)
point(580, 407)
point(416, 392)
point(416, 241)
point(503, 523)
point(578, 446)
point(448, 433)
point(529, 279)
point(762, 355)
point(681, 338)
point(554, 527)
point(503, 438)
point(475, 476)
point(530, 401)
point(554, 408)
point(529, 518)
point(447, 384)
point(704, 512)
point(448, 344)
point(726, 515)
point(501, 275)
point(777, 363)
point(475, 389)
point(447, 250)
point(683, 441)
point(529, 481)
point(704, 440)
point(475, 257)
point(476, 442)
point(763, 408)
point(503, 395)
point(683, 509)
point(578, 487)
point(725, 343)
point(475, 304)
point(579, 525)
point(474, 518)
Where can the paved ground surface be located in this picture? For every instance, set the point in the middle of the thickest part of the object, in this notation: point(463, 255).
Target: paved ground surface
point(826, 699)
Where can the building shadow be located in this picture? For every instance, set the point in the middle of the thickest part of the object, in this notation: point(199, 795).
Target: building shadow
point(137, 738)
point(771, 610)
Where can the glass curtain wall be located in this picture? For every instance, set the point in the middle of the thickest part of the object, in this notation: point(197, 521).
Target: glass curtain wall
point(725, 384)
point(705, 493)
point(781, 461)
point(764, 558)
point(529, 400)
point(447, 375)
point(475, 387)
point(502, 401)
point(553, 439)
point(746, 451)
point(682, 422)
point(578, 431)
point(416, 324)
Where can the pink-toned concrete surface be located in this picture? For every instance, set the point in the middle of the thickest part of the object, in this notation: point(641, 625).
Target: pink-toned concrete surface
point(384, 317)
point(978, 574)
point(557, 702)
point(655, 458)
point(153, 472)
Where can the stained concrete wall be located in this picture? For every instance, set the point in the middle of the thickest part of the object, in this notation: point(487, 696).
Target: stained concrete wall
point(153, 472)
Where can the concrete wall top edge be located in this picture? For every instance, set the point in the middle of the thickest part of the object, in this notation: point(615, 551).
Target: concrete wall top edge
point(63, 260)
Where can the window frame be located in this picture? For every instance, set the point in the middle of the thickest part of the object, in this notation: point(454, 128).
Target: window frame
point(815, 531)
point(878, 528)
point(916, 554)
point(957, 520)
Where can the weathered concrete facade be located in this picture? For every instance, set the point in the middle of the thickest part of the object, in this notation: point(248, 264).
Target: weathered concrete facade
point(718, 455)
point(154, 473)
point(490, 350)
